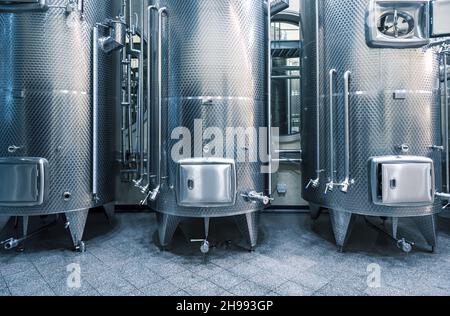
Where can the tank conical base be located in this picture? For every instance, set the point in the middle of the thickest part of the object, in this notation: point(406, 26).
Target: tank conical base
point(248, 226)
point(167, 225)
point(77, 223)
point(428, 226)
point(342, 223)
point(110, 211)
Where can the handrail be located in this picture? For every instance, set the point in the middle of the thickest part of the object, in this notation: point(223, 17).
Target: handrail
point(330, 185)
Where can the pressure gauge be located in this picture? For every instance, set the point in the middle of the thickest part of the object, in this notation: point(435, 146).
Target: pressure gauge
point(396, 24)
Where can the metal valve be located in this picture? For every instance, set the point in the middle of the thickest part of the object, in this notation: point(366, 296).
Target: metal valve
point(313, 183)
point(255, 197)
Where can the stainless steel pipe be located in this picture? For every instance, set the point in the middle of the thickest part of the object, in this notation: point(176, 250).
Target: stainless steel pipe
point(95, 113)
point(346, 183)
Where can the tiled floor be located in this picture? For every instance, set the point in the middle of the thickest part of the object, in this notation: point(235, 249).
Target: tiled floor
point(295, 257)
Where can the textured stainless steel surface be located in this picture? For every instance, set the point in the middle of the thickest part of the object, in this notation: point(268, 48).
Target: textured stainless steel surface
point(46, 101)
point(379, 123)
point(213, 69)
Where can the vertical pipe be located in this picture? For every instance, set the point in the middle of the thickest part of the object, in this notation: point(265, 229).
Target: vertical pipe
point(123, 106)
point(331, 117)
point(315, 183)
point(289, 105)
point(149, 88)
point(141, 97)
point(95, 113)
point(160, 92)
point(130, 112)
point(345, 185)
point(317, 93)
point(269, 95)
point(447, 144)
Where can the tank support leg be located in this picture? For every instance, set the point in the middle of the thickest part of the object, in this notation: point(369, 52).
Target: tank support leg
point(167, 225)
point(76, 222)
point(110, 211)
point(395, 221)
point(248, 226)
point(428, 226)
point(24, 232)
point(3, 221)
point(342, 223)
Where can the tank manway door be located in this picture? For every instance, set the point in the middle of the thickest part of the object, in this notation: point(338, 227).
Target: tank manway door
point(406, 23)
point(440, 18)
point(402, 181)
point(23, 5)
point(24, 182)
point(206, 183)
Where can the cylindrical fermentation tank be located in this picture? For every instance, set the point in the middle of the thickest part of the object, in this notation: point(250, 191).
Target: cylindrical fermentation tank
point(209, 73)
point(372, 115)
point(56, 110)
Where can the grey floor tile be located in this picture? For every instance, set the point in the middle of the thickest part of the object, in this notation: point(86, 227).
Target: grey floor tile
point(28, 283)
point(337, 290)
point(226, 279)
point(166, 269)
point(5, 292)
point(227, 261)
point(206, 270)
point(162, 288)
point(16, 263)
point(138, 275)
point(185, 279)
point(268, 279)
point(245, 269)
point(125, 261)
point(2, 283)
point(249, 288)
point(86, 289)
point(293, 289)
point(110, 284)
point(310, 280)
point(386, 291)
point(181, 293)
point(206, 288)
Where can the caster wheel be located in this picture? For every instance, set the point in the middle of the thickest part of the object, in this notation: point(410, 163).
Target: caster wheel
point(405, 246)
point(341, 249)
point(81, 248)
point(433, 249)
point(204, 248)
